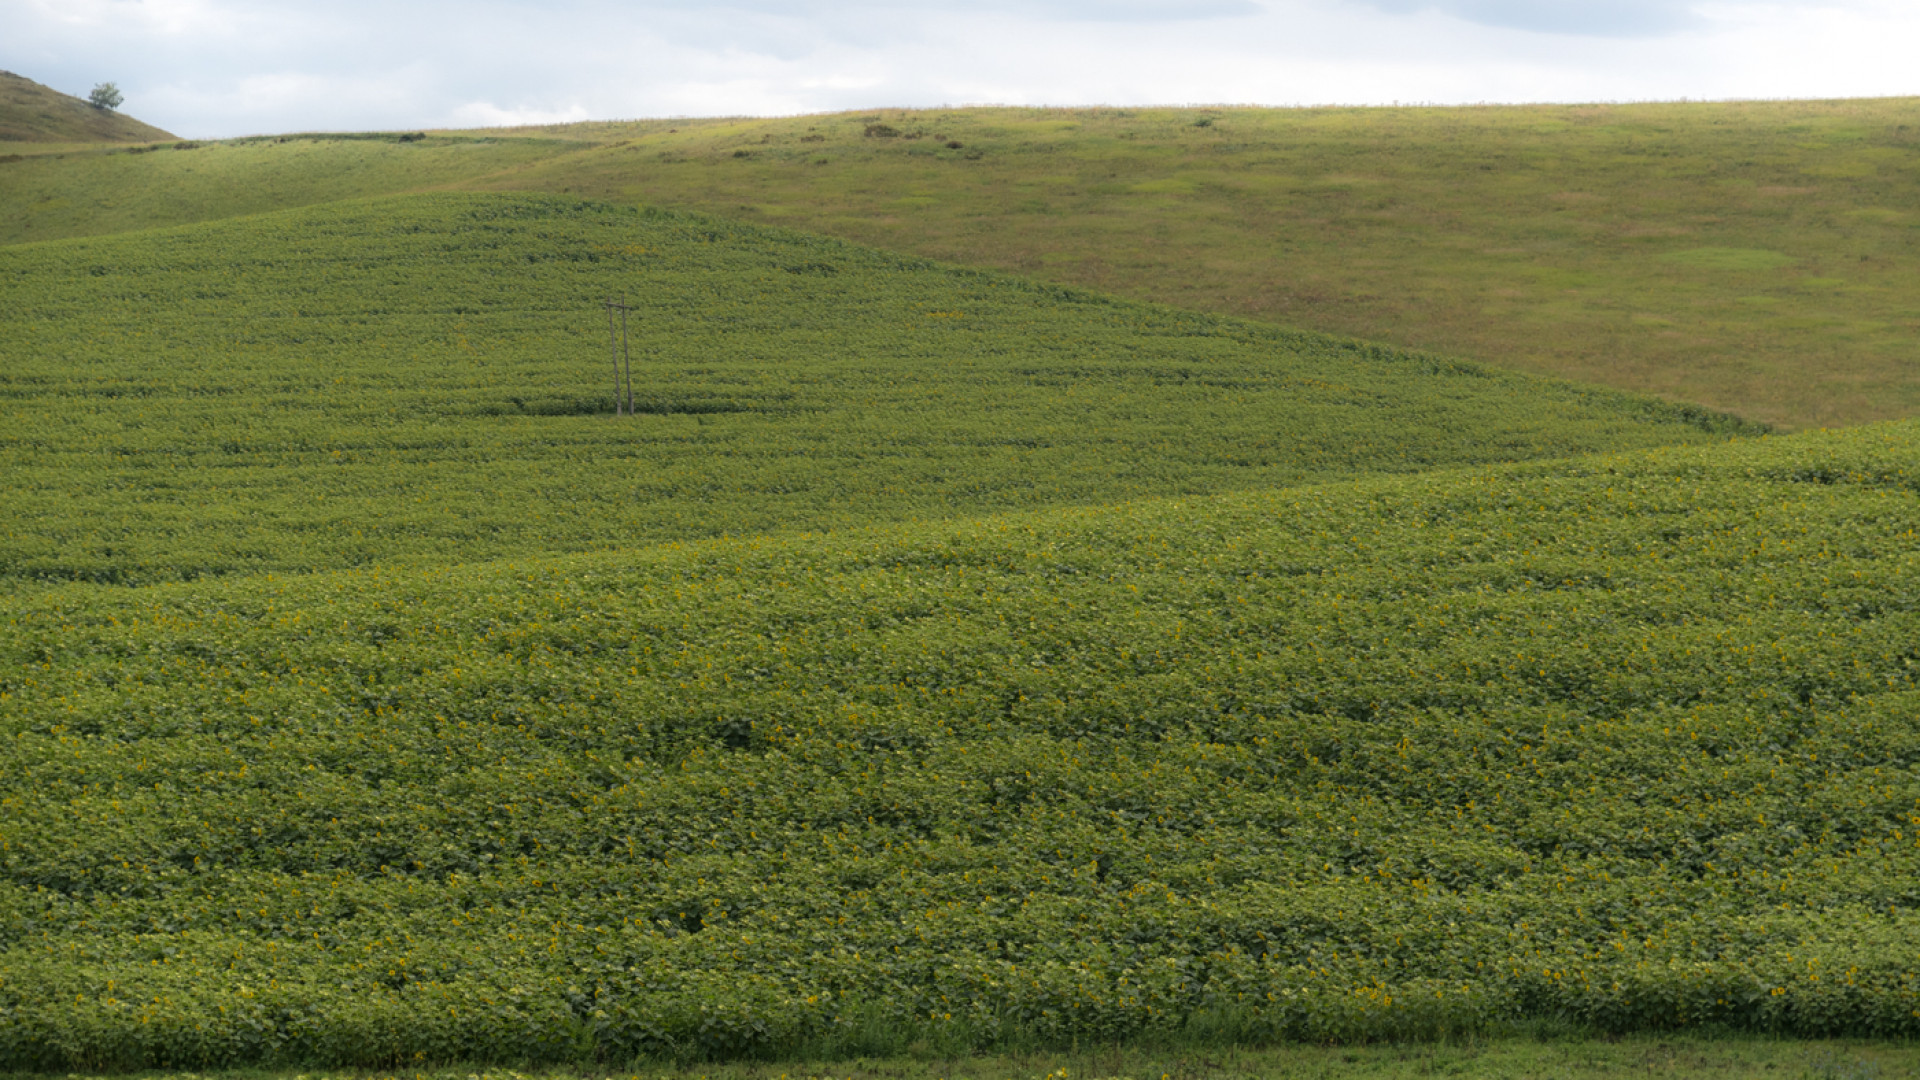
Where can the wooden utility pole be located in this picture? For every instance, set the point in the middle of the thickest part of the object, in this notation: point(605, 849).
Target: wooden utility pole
point(622, 366)
point(625, 363)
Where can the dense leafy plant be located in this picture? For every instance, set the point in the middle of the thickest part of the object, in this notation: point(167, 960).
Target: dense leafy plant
point(470, 734)
point(1626, 740)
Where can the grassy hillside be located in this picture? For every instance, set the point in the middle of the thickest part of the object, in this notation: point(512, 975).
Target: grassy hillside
point(83, 191)
point(1625, 741)
point(429, 378)
point(1755, 257)
point(30, 112)
point(939, 661)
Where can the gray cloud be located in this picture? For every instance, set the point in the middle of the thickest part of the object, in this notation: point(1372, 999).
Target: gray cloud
point(1598, 18)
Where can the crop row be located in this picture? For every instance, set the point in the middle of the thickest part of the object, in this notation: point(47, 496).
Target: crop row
point(428, 379)
point(1631, 740)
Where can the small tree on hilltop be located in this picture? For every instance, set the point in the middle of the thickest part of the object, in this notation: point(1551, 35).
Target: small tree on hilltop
point(105, 96)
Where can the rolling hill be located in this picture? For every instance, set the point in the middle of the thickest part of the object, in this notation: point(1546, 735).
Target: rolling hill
point(939, 660)
point(30, 112)
point(428, 378)
point(1754, 257)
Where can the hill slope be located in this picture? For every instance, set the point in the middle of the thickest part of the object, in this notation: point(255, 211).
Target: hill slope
point(97, 192)
point(30, 112)
point(428, 378)
point(1755, 257)
point(1629, 741)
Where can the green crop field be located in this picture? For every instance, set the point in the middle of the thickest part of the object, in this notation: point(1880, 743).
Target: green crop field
point(429, 378)
point(1754, 257)
point(1626, 740)
point(942, 664)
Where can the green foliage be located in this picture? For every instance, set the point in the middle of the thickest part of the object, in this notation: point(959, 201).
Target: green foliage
point(106, 96)
point(428, 379)
point(1629, 742)
point(470, 736)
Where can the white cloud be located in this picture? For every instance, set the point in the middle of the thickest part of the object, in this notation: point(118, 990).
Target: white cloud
point(217, 67)
point(487, 114)
point(163, 17)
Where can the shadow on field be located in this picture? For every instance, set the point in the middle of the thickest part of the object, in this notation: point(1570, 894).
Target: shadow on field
point(603, 406)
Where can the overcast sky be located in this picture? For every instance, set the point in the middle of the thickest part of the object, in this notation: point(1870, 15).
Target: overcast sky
point(210, 68)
